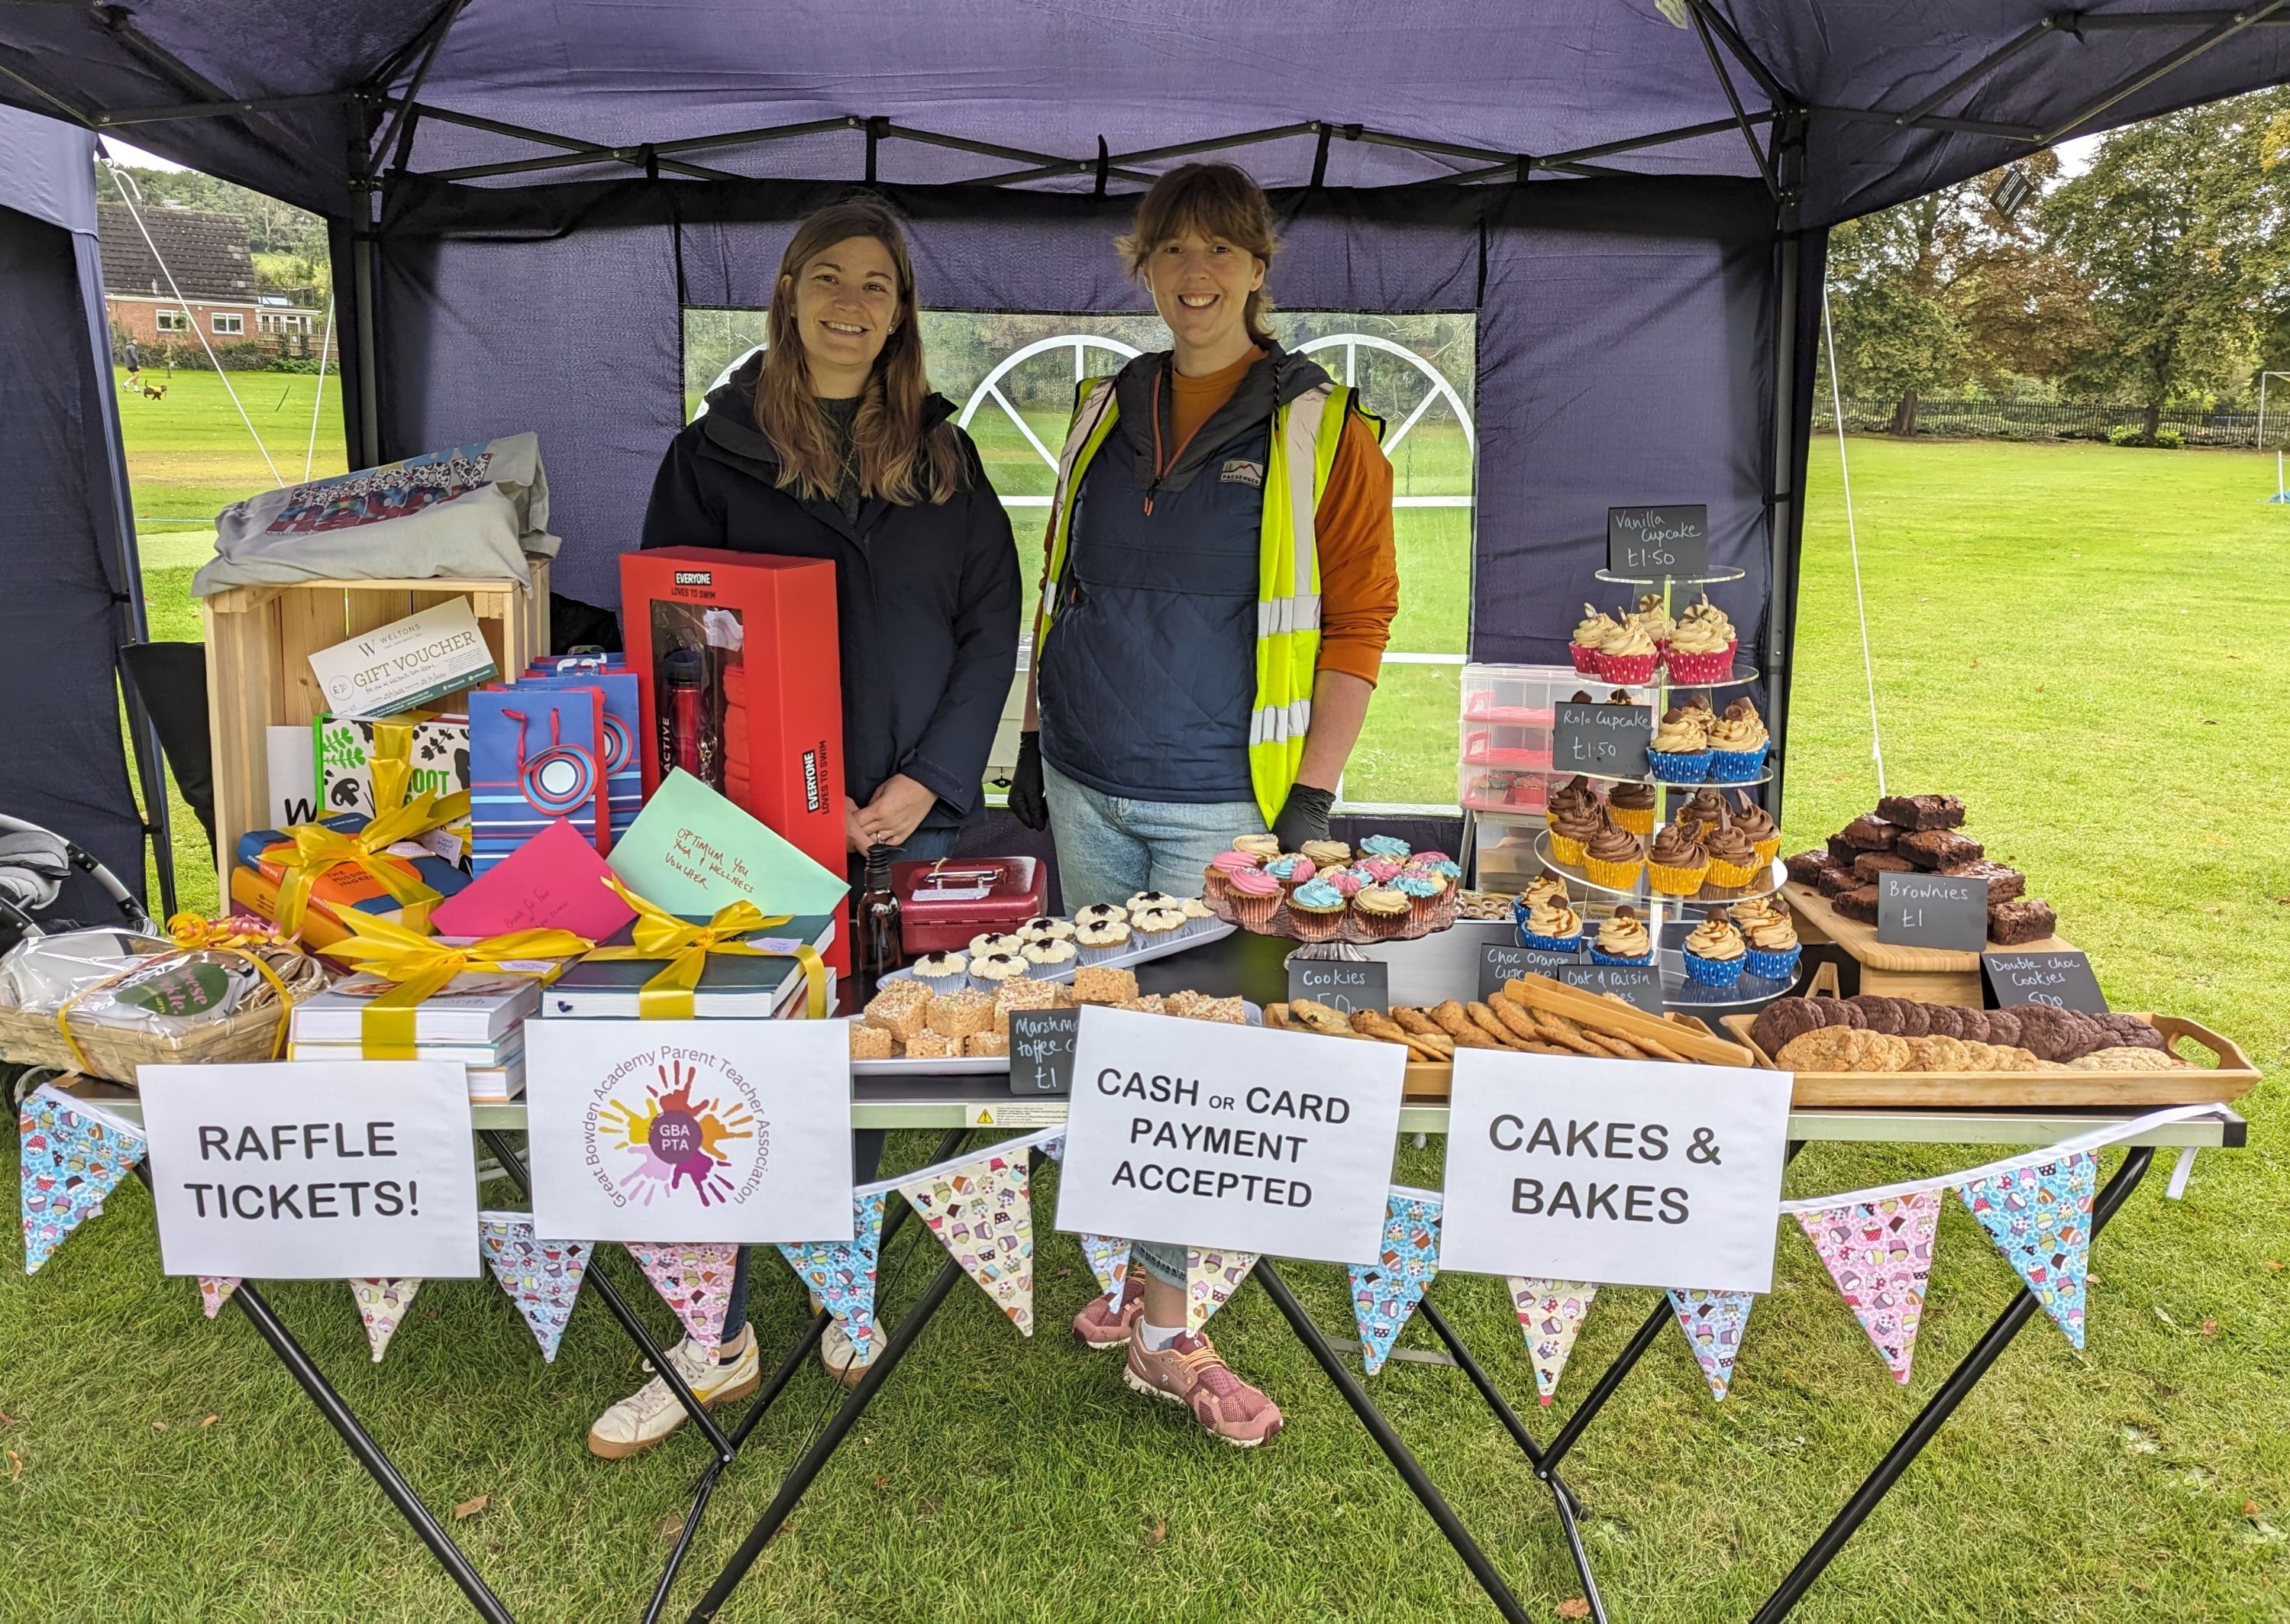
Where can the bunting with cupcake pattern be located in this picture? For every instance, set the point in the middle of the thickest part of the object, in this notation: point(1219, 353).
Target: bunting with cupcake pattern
point(1386, 1293)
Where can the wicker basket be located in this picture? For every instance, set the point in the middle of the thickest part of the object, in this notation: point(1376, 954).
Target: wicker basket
point(250, 1033)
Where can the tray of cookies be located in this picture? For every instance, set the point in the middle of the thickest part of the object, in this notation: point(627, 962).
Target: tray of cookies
point(907, 1029)
point(1874, 1050)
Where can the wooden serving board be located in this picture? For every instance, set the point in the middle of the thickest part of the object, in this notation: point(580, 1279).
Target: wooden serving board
point(2229, 1077)
point(1861, 940)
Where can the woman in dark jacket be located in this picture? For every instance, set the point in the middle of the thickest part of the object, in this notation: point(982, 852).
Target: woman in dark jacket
point(829, 445)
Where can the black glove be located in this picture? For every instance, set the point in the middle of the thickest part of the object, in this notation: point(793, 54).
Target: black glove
point(1303, 816)
point(1028, 803)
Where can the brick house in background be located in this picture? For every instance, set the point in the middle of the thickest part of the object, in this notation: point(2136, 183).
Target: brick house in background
point(213, 270)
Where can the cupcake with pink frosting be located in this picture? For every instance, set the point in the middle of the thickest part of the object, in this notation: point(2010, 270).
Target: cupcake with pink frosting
point(1221, 868)
point(1254, 897)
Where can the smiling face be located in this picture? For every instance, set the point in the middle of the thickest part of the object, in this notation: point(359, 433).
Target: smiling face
point(1200, 285)
point(845, 300)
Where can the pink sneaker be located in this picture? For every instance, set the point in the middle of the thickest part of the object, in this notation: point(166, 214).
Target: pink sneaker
point(1100, 1326)
point(1189, 1373)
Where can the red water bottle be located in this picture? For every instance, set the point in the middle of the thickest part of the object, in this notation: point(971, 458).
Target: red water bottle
point(683, 740)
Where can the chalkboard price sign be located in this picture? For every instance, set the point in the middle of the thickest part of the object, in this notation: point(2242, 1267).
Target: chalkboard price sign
point(1658, 543)
point(1933, 910)
point(1042, 1050)
point(1342, 984)
point(1641, 984)
point(1607, 739)
point(2064, 980)
point(1505, 960)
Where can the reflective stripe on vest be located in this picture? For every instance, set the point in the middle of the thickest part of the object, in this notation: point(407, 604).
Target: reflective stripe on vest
point(1305, 433)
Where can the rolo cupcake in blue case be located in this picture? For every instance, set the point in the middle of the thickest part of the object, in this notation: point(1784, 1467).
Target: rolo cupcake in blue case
point(1714, 954)
point(1551, 925)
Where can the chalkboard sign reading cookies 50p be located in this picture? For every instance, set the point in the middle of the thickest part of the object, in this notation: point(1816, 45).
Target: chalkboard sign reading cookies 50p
point(1609, 740)
point(1655, 543)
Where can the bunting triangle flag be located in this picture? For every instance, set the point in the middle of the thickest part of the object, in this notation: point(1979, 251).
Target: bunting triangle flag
point(2040, 1216)
point(1210, 1278)
point(982, 1211)
point(1385, 1293)
point(541, 1277)
point(1054, 1147)
point(1108, 1261)
point(1880, 1254)
point(215, 1291)
point(694, 1278)
point(382, 1305)
point(1551, 1314)
point(1713, 1322)
point(71, 1158)
point(842, 1273)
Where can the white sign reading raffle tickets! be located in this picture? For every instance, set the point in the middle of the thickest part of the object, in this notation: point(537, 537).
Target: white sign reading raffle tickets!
point(1621, 1172)
point(690, 1130)
point(313, 1170)
point(1193, 1134)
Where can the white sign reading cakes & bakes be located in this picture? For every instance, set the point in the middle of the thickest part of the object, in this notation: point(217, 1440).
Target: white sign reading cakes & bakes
point(1621, 1173)
point(1193, 1134)
point(313, 1170)
point(690, 1130)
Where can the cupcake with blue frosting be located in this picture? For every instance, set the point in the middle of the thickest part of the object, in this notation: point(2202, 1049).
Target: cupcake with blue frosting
point(1388, 846)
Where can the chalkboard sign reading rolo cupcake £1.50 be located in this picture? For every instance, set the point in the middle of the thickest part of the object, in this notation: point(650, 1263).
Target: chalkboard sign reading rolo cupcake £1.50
point(1609, 740)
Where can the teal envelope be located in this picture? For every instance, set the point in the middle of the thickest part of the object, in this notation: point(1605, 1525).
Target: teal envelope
point(692, 852)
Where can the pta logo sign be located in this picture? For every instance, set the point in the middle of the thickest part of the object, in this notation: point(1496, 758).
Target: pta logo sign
point(1621, 1172)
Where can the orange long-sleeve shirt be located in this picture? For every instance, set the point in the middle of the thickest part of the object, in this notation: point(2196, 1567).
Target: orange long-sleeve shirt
point(1359, 563)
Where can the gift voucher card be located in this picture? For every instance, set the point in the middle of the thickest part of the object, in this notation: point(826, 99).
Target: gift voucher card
point(406, 664)
point(692, 852)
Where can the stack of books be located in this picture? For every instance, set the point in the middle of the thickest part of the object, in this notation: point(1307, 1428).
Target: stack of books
point(478, 1020)
point(732, 986)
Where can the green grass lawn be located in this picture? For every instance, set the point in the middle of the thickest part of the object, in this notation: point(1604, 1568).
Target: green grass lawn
point(2072, 638)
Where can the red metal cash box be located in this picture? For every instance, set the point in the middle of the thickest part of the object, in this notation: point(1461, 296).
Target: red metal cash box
point(943, 905)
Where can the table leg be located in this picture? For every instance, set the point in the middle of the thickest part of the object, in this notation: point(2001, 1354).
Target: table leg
point(1403, 1460)
point(1952, 1392)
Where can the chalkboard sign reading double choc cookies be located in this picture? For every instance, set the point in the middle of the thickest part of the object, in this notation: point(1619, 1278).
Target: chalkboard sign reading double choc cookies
point(1933, 910)
point(2064, 980)
point(1041, 1050)
point(1343, 984)
point(1657, 543)
point(1607, 739)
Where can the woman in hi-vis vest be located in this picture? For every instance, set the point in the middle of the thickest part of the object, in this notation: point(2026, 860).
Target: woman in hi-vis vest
point(1220, 584)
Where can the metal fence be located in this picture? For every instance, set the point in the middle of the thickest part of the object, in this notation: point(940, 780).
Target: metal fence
point(2058, 420)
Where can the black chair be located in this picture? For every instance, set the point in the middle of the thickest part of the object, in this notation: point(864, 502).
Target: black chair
point(171, 679)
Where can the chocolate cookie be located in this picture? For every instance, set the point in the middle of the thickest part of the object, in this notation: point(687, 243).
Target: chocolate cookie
point(1922, 812)
point(1869, 865)
point(2004, 1029)
point(1974, 1023)
point(1946, 1021)
point(1847, 1013)
point(1916, 1018)
point(2029, 919)
point(1860, 903)
point(1785, 1019)
point(1878, 1012)
point(2055, 1034)
point(2003, 883)
point(1807, 867)
point(1939, 848)
point(1868, 833)
point(2130, 1032)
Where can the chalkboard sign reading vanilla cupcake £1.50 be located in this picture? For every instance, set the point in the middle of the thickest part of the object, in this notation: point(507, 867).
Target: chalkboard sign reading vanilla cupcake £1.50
point(1609, 740)
point(1658, 543)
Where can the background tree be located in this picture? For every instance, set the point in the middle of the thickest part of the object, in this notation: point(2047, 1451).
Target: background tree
point(2176, 231)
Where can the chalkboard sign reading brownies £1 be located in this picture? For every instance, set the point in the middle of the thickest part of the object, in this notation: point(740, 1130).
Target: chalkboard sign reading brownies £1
point(1655, 543)
point(1042, 1050)
point(2064, 980)
point(1609, 740)
point(1342, 984)
point(1932, 910)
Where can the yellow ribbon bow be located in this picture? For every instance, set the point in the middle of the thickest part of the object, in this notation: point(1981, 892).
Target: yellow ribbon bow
point(390, 761)
point(422, 965)
point(660, 934)
point(190, 930)
point(317, 848)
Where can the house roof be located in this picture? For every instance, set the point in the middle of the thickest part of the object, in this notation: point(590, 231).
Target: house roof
point(205, 252)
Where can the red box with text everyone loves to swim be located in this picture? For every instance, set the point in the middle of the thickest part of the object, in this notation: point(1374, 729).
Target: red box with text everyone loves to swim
point(740, 672)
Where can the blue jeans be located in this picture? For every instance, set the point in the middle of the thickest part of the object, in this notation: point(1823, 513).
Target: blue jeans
point(922, 846)
point(1111, 847)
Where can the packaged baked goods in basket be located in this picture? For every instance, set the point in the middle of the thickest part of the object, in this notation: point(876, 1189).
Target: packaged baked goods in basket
point(103, 1001)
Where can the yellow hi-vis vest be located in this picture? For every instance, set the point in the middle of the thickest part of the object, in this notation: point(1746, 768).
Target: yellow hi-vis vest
point(1305, 433)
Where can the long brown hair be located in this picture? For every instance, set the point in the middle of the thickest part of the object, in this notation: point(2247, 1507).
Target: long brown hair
point(897, 461)
point(1213, 200)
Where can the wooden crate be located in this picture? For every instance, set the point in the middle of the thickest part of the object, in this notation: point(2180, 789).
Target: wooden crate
point(2222, 1073)
point(1928, 975)
point(260, 640)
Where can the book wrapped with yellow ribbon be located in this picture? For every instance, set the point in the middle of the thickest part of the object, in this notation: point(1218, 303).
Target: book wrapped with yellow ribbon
point(687, 947)
point(420, 966)
point(314, 853)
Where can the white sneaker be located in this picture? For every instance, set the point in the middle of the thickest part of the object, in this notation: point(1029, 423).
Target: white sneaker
point(649, 1414)
point(846, 1360)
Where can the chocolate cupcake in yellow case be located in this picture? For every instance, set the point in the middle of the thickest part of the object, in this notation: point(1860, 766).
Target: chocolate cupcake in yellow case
point(1631, 806)
point(1758, 827)
point(1613, 858)
point(1677, 864)
point(1733, 860)
point(1575, 792)
point(1570, 833)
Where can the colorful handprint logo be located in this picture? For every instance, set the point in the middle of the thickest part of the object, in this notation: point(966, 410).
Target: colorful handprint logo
point(676, 1141)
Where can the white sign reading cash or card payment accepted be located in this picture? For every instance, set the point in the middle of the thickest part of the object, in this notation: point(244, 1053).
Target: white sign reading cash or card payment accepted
point(1194, 1133)
point(1619, 1172)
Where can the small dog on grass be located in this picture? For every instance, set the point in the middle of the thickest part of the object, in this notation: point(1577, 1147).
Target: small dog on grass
point(155, 391)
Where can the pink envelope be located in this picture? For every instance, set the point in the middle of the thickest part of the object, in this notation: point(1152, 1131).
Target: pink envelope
point(555, 879)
